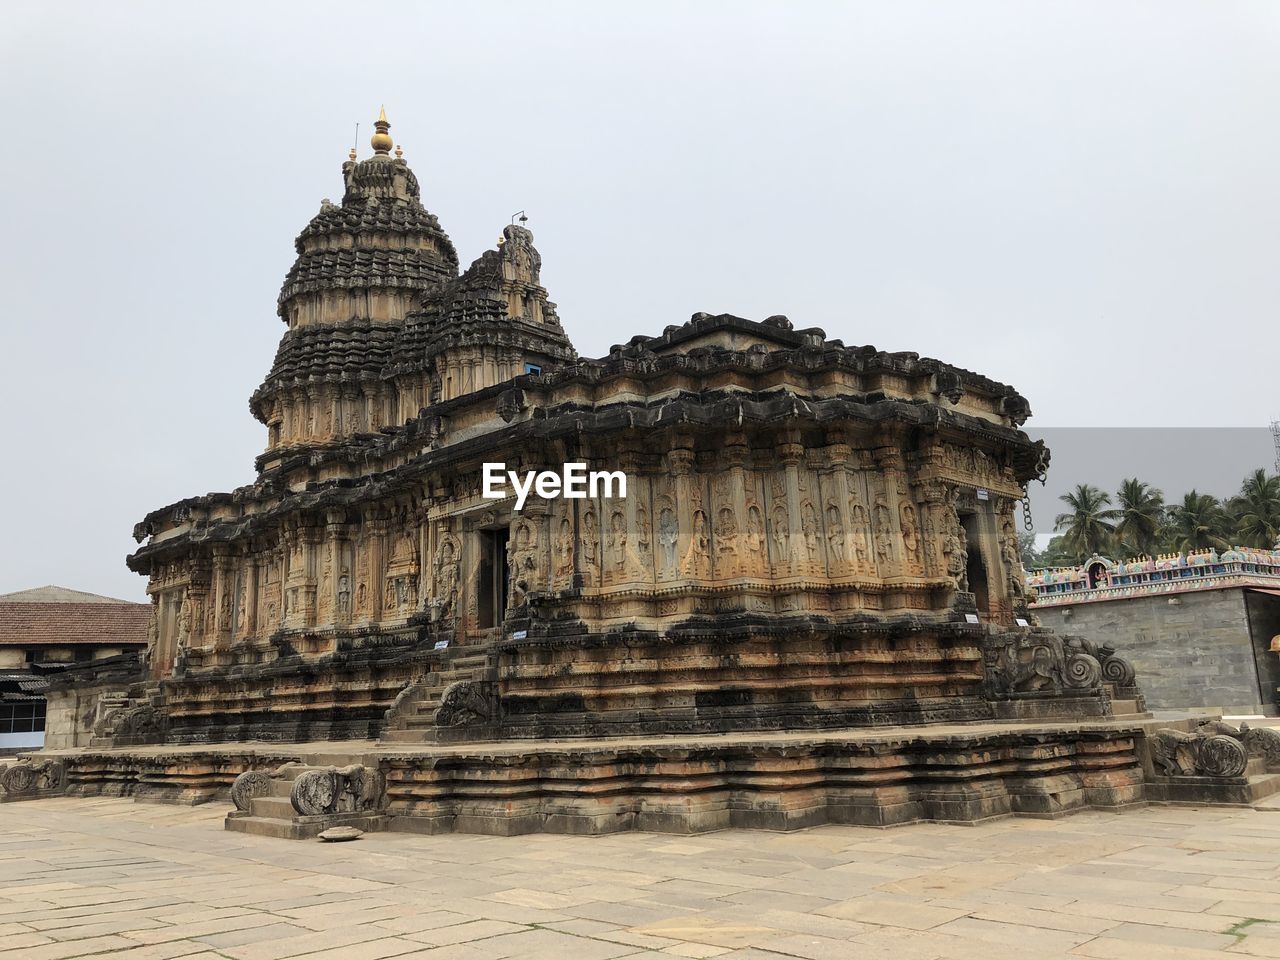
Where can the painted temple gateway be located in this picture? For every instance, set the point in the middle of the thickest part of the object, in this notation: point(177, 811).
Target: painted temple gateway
point(809, 605)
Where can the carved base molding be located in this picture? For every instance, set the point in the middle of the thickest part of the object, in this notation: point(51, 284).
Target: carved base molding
point(684, 784)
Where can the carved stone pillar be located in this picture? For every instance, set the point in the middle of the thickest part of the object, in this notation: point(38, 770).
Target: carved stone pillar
point(733, 553)
point(788, 536)
point(223, 587)
point(694, 531)
point(834, 504)
point(885, 526)
point(378, 527)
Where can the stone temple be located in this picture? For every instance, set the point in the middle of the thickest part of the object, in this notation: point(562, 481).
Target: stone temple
point(808, 607)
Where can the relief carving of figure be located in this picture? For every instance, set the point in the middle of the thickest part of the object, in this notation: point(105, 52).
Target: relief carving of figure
point(835, 533)
point(564, 549)
point(644, 534)
point(809, 527)
point(184, 622)
point(668, 535)
point(618, 539)
point(726, 540)
point(344, 592)
point(523, 563)
point(930, 540)
point(447, 578)
point(859, 521)
point(910, 532)
point(884, 538)
point(699, 546)
point(955, 548)
point(782, 535)
point(755, 538)
point(1012, 561)
point(590, 539)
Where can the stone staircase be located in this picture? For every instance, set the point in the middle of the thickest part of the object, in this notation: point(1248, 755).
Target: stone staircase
point(273, 814)
point(1250, 789)
point(412, 720)
point(128, 718)
point(1258, 781)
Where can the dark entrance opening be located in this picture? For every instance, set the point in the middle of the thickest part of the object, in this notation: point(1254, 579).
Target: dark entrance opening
point(494, 579)
point(1262, 611)
point(1097, 575)
point(976, 567)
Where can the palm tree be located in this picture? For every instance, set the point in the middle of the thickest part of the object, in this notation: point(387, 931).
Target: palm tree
point(1256, 511)
point(1141, 514)
point(1087, 528)
point(1197, 523)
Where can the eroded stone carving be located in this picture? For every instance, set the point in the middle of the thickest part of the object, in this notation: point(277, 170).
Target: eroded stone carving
point(1200, 754)
point(464, 702)
point(250, 784)
point(329, 790)
point(32, 777)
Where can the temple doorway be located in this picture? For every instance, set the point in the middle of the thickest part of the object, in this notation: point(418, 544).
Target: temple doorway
point(494, 579)
point(976, 567)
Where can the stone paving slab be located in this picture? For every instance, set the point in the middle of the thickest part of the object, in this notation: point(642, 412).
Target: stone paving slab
point(111, 878)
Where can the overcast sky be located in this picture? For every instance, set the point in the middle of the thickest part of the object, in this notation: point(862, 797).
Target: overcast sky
point(1080, 199)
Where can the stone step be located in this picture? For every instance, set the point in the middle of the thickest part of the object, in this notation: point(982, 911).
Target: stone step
point(1121, 708)
point(303, 829)
point(447, 677)
point(281, 808)
point(420, 734)
point(1245, 791)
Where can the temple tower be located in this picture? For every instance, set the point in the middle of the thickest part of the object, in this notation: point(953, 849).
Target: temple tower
point(361, 268)
point(491, 324)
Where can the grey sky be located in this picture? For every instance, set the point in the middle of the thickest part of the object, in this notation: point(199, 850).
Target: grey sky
point(1081, 199)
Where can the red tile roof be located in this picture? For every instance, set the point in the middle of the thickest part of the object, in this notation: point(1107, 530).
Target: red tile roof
point(105, 624)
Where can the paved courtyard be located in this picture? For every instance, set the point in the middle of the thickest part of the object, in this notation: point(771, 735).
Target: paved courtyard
point(117, 879)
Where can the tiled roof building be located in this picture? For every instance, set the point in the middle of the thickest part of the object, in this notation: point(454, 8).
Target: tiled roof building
point(42, 631)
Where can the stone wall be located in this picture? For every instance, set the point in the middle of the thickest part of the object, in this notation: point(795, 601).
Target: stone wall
point(1190, 649)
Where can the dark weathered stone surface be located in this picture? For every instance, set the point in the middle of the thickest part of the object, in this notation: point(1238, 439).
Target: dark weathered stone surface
point(1195, 652)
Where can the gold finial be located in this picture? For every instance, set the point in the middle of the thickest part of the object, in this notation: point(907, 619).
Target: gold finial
point(381, 140)
point(399, 152)
point(352, 155)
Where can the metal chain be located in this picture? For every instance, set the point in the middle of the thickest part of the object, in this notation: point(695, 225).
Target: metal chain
point(1042, 474)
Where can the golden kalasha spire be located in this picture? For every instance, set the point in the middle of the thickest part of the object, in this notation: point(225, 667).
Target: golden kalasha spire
point(381, 140)
point(399, 152)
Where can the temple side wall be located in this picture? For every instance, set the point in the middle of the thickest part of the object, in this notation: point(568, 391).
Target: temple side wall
point(1195, 652)
point(71, 713)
